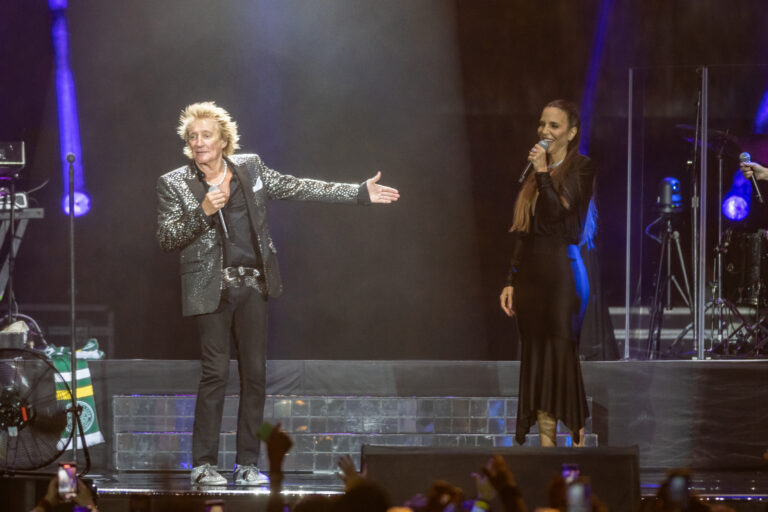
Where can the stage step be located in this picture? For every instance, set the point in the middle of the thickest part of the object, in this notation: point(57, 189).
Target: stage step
point(154, 432)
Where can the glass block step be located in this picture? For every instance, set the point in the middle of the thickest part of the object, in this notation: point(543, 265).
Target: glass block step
point(311, 452)
point(313, 414)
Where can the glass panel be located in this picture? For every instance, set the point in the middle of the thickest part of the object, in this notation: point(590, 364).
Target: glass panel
point(736, 295)
point(664, 220)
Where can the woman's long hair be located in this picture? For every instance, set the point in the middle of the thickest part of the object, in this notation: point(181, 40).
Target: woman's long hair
point(526, 198)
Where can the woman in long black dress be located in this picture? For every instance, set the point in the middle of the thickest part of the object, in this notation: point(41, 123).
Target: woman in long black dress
point(541, 288)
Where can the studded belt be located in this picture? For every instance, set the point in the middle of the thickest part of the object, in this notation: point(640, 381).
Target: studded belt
point(235, 277)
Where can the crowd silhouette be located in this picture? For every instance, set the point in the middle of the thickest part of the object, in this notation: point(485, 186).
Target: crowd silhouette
point(495, 491)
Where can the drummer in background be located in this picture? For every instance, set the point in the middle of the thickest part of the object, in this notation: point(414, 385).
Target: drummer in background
point(747, 168)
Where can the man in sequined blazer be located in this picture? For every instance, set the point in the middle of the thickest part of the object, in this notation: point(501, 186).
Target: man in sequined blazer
point(213, 211)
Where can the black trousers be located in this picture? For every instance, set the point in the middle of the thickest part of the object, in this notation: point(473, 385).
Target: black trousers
point(242, 315)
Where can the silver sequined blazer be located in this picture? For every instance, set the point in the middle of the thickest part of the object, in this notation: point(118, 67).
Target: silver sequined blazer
point(183, 226)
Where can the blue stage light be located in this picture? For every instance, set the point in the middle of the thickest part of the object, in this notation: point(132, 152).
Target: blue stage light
point(735, 208)
point(761, 117)
point(736, 203)
point(587, 111)
point(82, 204)
point(57, 5)
point(66, 99)
point(593, 73)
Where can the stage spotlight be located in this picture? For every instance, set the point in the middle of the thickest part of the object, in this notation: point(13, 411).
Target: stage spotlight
point(735, 208)
point(66, 99)
point(82, 204)
point(736, 203)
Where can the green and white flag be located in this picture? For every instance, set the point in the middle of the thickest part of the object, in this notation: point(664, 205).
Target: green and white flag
point(60, 356)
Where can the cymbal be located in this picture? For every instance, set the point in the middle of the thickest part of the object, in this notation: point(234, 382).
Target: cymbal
point(713, 133)
point(717, 140)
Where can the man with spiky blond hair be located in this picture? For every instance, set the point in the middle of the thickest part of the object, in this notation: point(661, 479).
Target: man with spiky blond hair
point(213, 210)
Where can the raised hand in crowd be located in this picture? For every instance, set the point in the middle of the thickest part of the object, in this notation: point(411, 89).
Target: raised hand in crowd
point(84, 497)
point(486, 492)
point(443, 497)
point(278, 444)
point(348, 473)
point(497, 476)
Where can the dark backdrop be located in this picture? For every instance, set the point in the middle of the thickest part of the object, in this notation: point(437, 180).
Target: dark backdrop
point(443, 97)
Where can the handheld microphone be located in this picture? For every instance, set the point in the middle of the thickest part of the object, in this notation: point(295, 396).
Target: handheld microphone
point(71, 158)
point(746, 158)
point(214, 188)
point(543, 143)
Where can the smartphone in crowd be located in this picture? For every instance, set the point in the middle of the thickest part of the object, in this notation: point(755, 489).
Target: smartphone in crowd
point(578, 495)
point(679, 487)
point(570, 472)
point(67, 477)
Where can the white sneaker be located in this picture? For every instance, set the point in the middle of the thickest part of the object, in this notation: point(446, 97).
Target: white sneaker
point(249, 474)
point(206, 475)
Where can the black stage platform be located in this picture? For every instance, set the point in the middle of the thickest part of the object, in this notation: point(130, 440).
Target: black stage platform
point(710, 416)
point(698, 414)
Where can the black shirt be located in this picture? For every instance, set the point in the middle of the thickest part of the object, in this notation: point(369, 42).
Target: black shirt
point(239, 249)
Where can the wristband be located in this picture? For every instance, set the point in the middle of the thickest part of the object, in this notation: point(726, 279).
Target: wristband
point(480, 506)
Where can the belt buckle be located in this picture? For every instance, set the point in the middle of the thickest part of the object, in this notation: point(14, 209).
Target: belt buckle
point(241, 271)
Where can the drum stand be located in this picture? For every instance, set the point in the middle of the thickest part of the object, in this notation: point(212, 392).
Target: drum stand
point(751, 294)
point(761, 326)
point(723, 310)
point(662, 297)
point(718, 301)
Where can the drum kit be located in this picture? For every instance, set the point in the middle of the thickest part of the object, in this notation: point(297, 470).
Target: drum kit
point(737, 313)
point(746, 268)
point(738, 319)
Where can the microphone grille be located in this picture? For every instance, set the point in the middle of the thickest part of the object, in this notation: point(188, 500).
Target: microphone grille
point(745, 157)
point(544, 143)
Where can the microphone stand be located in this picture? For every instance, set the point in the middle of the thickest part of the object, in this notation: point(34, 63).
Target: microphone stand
point(12, 306)
point(695, 219)
point(75, 410)
point(73, 330)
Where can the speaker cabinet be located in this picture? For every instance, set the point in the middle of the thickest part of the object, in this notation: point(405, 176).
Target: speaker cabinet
point(405, 471)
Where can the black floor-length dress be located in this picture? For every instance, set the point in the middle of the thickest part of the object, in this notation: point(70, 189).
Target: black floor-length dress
point(546, 303)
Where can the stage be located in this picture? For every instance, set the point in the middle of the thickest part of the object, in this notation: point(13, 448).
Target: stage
point(394, 308)
point(704, 415)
